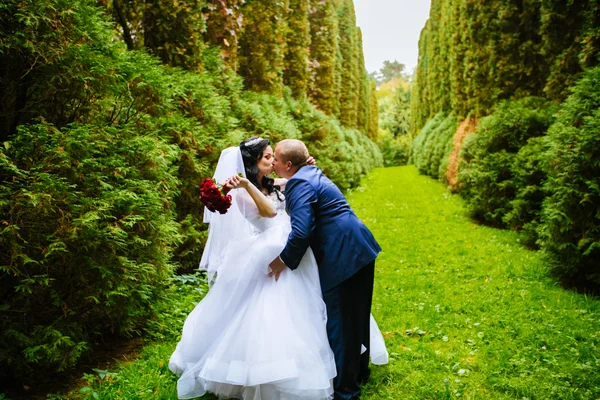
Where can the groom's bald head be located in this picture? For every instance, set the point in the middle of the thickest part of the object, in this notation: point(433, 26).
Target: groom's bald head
point(294, 151)
point(290, 155)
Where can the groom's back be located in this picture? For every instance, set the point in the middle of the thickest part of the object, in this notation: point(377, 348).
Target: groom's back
point(342, 244)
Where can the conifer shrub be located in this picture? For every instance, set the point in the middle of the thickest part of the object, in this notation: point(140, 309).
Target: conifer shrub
point(395, 150)
point(487, 176)
point(529, 171)
point(417, 151)
point(570, 227)
point(99, 179)
point(434, 144)
point(440, 146)
point(87, 234)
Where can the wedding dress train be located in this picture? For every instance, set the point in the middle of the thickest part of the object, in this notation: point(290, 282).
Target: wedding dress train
point(252, 337)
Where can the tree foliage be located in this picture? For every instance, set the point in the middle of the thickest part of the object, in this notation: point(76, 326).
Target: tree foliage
point(173, 31)
point(295, 73)
point(493, 170)
point(101, 157)
point(324, 44)
point(570, 230)
point(223, 25)
point(262, 45)
point(350, 76)
point(474, 54)
point(506, 61)
point(390, 70)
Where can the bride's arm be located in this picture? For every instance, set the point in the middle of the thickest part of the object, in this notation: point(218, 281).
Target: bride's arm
point(264, 205)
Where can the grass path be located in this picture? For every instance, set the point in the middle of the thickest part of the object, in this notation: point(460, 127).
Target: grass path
point(467, 311)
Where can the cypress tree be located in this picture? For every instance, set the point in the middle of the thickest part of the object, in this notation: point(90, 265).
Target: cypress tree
point(570, 41)
point(420, 108)
point(223, 25)
point(363, 88)
point(460, 63)
point(373, 126)
point(262, 45)
point(173, 31)
point(295, 74)
point(349, 64)
point(323, 50)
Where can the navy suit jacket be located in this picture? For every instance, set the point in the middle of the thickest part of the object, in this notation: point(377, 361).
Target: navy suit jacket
point(322, 219)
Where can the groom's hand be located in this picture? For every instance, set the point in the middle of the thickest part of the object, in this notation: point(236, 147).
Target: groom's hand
point(277, 266)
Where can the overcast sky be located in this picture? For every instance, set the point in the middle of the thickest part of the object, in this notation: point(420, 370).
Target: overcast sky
point(391, 30)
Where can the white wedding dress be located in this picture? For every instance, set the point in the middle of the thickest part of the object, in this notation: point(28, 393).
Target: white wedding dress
point(252, 337)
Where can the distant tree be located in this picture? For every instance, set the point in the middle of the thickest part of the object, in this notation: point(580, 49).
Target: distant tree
point(392, 69)
point(395, 112)
point(376, 76)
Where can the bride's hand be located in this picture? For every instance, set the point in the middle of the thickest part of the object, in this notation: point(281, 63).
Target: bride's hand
point(311, 161)
point(237, 181)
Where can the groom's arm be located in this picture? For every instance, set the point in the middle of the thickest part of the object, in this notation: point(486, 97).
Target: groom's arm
point(300, 198)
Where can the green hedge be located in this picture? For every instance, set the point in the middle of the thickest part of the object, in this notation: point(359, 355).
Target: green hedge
point(395, 150)
point(491, 167)
point(417, 152)
point(433, 145)
point(570, 230)
point(99, 182)
point(88, 231)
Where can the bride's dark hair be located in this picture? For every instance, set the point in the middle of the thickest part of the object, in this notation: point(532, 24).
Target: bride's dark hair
point(252, 150)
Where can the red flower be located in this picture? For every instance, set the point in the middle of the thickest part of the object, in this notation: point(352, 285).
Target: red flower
point(214, 196)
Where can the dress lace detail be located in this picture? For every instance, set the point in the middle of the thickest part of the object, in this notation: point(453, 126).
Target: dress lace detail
point(261, 224)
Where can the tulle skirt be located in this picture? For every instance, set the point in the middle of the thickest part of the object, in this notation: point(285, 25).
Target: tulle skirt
point(252, 337)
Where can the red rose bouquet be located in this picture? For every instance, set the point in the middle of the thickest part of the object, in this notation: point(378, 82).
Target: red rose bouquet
point(214, 196)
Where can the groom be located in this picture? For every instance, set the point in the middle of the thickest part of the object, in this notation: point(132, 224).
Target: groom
point(345, 251)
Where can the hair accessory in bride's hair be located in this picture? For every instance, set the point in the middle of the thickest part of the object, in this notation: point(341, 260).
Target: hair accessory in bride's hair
point(252, 142)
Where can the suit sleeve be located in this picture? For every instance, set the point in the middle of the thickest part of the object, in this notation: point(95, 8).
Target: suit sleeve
point(300, 198)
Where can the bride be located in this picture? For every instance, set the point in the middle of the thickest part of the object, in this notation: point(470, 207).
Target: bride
point(253, 337)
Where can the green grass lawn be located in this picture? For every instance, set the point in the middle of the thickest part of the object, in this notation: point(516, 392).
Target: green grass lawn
point(466, 310)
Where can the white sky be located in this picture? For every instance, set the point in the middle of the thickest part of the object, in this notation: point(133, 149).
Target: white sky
point(391, 30)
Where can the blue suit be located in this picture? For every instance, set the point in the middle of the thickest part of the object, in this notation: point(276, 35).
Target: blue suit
point(345, 251)
point(322, 219)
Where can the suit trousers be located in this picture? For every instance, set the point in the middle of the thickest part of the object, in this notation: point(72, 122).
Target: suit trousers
point(348, 328)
